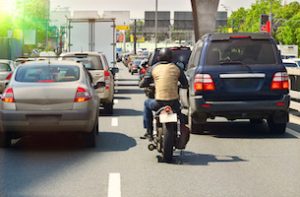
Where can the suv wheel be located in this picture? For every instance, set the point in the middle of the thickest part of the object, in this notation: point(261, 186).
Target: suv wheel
point(5, 140)
point(108, 108)
point(195, 128)
point(276, 128)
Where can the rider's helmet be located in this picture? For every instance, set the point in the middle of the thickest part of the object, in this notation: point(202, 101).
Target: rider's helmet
point(165, 54)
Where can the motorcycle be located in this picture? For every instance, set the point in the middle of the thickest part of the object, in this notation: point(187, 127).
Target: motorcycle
point(168, 133)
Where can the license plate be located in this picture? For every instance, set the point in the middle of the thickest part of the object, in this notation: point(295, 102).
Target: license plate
point(165, 118)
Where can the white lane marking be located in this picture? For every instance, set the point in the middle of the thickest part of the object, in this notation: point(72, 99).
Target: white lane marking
point(114, 122)
point(114, 185)
point(116, 101)
point(292, 132)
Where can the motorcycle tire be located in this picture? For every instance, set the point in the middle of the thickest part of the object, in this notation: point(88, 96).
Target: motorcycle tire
point(168, 141)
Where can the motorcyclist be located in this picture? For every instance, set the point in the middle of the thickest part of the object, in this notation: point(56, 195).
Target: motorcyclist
point(165, 76)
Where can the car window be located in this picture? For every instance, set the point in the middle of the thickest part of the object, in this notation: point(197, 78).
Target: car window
point(4, 67)
point(35, 74)
point(90, 62)
point(245, 51)
point(290, 65)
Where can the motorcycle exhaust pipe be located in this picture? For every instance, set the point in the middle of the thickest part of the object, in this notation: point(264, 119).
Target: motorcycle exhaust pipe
point(151, 147)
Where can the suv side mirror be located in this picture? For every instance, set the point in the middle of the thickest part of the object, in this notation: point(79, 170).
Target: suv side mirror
point(99, 84)
point(114, 70)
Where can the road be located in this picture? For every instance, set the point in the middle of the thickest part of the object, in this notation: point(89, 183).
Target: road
point(232, 159)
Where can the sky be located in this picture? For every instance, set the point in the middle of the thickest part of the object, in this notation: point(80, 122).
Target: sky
point(137, 7)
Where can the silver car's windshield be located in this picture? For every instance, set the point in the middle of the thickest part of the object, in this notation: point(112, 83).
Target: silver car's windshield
point(48, 74)
point(4, 67)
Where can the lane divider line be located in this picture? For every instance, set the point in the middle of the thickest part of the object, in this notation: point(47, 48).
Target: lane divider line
point(114, 185)
point(292, 132)
point(114, 122)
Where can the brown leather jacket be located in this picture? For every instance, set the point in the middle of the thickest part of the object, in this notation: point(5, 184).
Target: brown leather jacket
point(165, 77)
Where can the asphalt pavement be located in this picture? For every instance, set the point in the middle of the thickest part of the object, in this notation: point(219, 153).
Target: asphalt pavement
point(232, 159)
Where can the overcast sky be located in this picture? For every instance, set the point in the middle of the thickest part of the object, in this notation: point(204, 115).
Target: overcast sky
point(137, 7)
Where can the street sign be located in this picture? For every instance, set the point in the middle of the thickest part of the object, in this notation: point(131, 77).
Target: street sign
point(123, 27)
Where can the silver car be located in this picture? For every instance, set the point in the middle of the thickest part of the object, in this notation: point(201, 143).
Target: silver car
point(99, 68)
point(7, 67)
point(48, 97)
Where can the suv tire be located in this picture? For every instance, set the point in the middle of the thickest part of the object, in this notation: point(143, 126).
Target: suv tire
point(5, 140)
point(277, 128)
point(108, 108)
point(195, 128)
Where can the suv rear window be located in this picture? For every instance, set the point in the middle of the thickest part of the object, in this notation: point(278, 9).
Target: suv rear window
point(244, 51)
point(4, 67)
point(50, 74)
point(90, 62)
point(179, 55)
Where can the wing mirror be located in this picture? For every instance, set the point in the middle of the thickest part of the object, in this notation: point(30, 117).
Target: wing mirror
point(114, 70)
point(99, 84)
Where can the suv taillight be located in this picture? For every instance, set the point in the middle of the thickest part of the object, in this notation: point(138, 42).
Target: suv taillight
point(8, 77)
point(107, 79)
point(82, 95)
point(8, 96)
point(280, 81)
point(203, 82)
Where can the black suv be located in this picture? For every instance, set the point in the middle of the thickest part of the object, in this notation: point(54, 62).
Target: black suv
point(237, 76)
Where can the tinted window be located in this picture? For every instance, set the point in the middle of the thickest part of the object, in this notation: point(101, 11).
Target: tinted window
point(4, 67)
point(47, 74)
point(90, 62)
point(245, 51)
point(179, 55)
point(290, 64)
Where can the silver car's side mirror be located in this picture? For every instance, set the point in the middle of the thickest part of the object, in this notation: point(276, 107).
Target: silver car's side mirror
point(114, 70)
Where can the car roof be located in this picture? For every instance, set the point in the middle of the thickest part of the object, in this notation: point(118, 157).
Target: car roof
point(5, 61)
point(51, 62)
point(81, 53)
point(227, 36)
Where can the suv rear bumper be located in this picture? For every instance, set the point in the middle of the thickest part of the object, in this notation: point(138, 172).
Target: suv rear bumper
point(201, 110)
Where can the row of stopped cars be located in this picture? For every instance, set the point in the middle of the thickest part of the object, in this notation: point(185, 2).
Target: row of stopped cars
point(64, 95)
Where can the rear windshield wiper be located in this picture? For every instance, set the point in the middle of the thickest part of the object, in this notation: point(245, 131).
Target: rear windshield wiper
point(91, 69)
point(223, 62)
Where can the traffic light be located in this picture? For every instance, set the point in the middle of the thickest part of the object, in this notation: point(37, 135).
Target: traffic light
point(265, 23)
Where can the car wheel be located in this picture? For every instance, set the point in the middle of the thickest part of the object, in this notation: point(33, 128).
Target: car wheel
point(108, 108)
point(276, 128)
point(195, 128)
point(5, 140)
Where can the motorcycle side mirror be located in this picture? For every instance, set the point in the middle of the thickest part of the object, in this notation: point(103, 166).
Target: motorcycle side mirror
point(99, 84)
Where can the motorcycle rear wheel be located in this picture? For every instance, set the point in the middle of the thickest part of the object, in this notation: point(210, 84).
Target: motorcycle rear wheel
point(168, 141)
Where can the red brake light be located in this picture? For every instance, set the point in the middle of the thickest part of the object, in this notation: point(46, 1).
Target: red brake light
point(239, 37)
point(204, 82)
point(8, 96)
point(143, 71)
point(8, 76)
point(46, 81)
point(81, 95)
point(107, 79)
point(106, 73)
point(280, 81)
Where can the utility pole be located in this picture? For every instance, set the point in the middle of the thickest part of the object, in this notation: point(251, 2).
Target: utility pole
point(156, 22)
point(134, 37)
point(271, 17)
